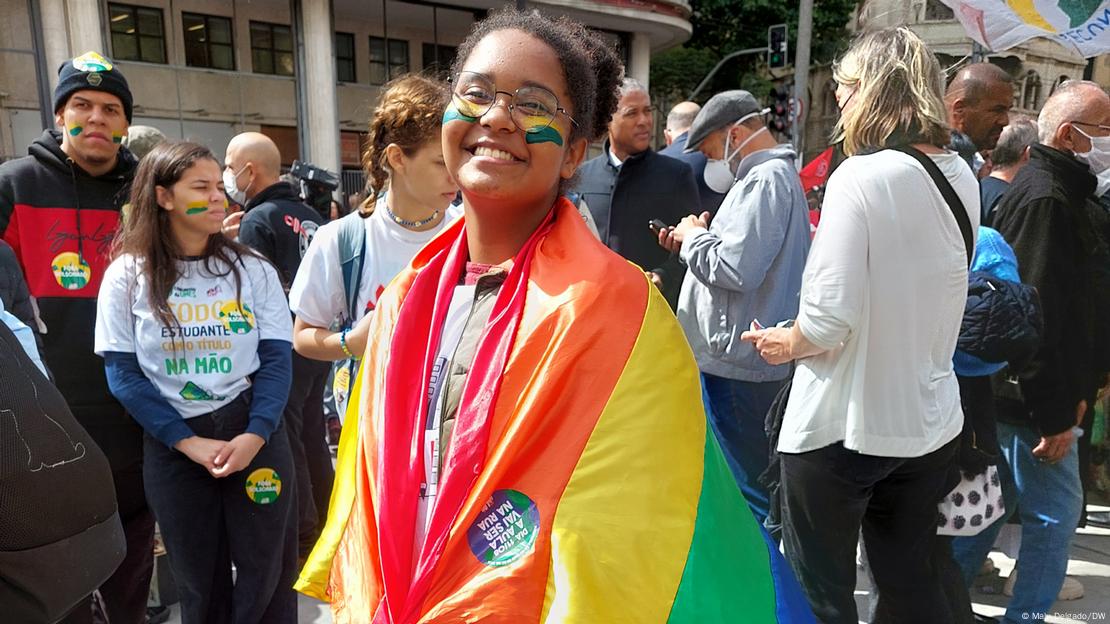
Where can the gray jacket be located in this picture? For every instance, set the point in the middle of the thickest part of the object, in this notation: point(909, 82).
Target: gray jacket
point(747, 265)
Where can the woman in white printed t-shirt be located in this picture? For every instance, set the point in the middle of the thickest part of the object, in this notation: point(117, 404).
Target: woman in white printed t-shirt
point(195, 336)
point(409, 204)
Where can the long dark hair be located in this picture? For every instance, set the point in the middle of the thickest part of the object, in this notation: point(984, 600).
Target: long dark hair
point(146, 234)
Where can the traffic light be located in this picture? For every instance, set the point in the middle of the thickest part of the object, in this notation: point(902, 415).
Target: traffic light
point(780, 109)
point(776, 46)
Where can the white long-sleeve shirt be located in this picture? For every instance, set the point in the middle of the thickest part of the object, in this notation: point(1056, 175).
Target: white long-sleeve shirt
point(883, 292)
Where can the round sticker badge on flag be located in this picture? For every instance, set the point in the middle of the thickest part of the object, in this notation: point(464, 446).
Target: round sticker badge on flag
point(263, 486)
point(506, 528)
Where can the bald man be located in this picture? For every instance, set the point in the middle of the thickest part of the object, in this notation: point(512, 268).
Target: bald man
point(280, 226)
point(679, 121)
point(978, 104)
point(1046, 218)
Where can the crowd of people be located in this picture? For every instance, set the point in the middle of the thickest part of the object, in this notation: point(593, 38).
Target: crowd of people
point(632, 388)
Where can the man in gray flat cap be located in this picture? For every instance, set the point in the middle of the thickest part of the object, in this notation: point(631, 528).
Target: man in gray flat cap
point(745, 268)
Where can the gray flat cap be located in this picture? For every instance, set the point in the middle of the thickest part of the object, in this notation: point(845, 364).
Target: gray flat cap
point(721, 110)
point(141, 139)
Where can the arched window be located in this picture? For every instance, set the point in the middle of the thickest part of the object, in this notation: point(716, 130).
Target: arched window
point(1059, 81)
point(1031, 92)
point(936, 11)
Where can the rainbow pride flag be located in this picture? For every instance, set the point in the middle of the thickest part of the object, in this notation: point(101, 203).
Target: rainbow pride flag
point(581, 483)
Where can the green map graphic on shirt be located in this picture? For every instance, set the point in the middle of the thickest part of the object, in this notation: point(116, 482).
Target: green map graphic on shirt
point(193, 392)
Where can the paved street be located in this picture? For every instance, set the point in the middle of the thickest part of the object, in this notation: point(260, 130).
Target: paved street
point(1090, 563)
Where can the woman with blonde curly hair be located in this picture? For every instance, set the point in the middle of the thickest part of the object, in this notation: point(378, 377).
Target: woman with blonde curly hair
point(873, 419)
point(409, 197)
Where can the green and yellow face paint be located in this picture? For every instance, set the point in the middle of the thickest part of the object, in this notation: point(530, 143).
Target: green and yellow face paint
point(117, 137)
point(197, 207)
point(74, 129)
point(538, 130)
point(460, 110)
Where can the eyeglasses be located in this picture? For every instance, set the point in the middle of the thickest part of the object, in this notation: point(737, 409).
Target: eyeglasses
point(1102, 127)
point(533, 109)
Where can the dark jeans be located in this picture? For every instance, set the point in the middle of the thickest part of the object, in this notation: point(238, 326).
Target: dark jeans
point(307, 430)
point(125, 592)
point(829, 493)
point(737, 412)
point(208, 524)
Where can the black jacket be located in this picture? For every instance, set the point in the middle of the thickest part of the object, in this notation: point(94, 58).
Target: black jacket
point(13, 288)
point(60, 533)
point(1044, 216)
point(710, 199)
point(622, 201)
point(279, 226)
point(1002, 320)
point(54, 214)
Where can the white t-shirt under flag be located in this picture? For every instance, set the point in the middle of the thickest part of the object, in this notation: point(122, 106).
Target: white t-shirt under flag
point(204, 362)
point(317, 295)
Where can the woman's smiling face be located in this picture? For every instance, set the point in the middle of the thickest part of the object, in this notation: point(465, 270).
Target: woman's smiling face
point(489, 156)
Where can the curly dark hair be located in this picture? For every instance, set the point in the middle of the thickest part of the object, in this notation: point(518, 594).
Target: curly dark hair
point(591, 68)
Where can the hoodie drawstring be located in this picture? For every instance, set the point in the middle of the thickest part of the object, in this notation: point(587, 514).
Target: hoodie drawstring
point(77, 203)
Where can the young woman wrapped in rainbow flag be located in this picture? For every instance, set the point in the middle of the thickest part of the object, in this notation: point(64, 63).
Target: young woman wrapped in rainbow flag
point(529, 443)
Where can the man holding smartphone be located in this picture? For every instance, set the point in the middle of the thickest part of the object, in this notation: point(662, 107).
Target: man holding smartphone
point(746, 266)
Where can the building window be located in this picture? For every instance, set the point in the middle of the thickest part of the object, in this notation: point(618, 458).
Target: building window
point(271, 49)
point(438, 59)
point(345, 57)
point(397, 60)
point(1031, 92)
point(1059, 81)
point(208, 41)
point(937, 11)
point(137, 33)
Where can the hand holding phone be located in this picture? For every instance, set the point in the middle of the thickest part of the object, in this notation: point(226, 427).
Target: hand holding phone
point(657, 226)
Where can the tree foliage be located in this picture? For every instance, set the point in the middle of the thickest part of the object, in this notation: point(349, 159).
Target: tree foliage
point(724, 26)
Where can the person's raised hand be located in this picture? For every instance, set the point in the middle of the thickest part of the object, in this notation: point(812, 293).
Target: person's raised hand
point(231, 224)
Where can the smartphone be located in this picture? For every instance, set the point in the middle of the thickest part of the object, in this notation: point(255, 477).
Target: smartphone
point(656, 225)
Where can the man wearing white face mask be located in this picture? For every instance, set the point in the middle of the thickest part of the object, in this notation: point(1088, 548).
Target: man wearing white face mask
point(1046, 217)
point(745, 267)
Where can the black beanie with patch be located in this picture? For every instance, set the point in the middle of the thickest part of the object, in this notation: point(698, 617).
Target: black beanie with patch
point(91, 71)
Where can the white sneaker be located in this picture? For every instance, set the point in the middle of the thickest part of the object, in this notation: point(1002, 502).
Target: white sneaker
point(1072, 589)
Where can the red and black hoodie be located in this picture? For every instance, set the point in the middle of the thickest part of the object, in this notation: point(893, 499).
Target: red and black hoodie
point(60, 221)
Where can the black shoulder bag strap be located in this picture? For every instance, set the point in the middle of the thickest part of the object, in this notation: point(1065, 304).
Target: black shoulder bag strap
point(949, 194)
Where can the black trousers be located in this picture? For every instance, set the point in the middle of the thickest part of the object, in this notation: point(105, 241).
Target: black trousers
point(830, 493)
point(208, 524)
point(307, 429)
point(125, 593)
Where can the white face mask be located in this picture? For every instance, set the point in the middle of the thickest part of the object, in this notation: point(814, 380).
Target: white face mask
point(1103, 183)
point(719, 175)
point(1098, 157)
point(231, 186)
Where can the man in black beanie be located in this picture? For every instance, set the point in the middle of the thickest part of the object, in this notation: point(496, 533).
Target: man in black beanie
point(59, 209)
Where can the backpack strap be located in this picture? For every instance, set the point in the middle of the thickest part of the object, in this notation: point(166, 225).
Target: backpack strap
point(352, 252)
point(949, 194)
